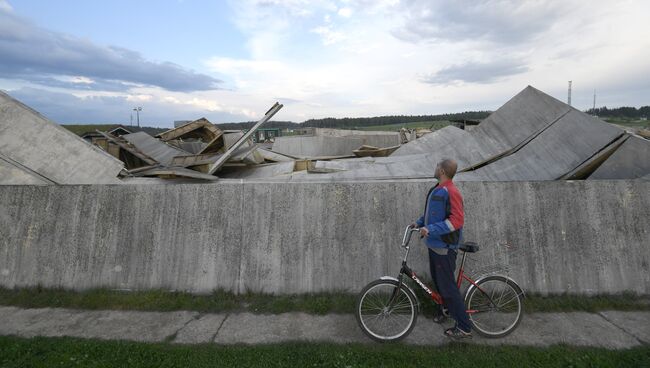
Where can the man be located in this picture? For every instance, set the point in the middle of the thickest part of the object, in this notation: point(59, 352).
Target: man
point(441, 226)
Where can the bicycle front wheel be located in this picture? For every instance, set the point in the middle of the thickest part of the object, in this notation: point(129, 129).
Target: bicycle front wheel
point(495, 306)
point(386, 313)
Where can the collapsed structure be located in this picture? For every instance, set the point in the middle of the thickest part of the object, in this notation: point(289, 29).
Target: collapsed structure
point(532, 137)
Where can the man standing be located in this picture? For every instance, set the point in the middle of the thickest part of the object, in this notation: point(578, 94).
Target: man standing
point(441, 225)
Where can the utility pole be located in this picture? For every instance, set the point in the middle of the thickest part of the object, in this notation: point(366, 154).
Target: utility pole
point(137, 113)
point(569, 97)
point(594, 101)
point(131, 121)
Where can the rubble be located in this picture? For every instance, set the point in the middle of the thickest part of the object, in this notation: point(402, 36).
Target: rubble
point(531, 137)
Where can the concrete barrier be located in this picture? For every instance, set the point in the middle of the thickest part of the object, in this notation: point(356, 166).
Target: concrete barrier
point(582, 237)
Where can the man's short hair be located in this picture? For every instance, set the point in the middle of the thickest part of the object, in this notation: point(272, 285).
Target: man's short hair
point(450, 166)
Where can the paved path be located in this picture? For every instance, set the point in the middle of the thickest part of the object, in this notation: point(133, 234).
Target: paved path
point(611, 329)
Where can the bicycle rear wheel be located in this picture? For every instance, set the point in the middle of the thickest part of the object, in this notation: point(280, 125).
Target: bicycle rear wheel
point(379, 320)
point(495, 306)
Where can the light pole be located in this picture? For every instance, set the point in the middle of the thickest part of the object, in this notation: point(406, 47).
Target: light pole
point(137, 113)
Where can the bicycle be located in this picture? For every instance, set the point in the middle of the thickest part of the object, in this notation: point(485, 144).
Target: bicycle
point(387, 308)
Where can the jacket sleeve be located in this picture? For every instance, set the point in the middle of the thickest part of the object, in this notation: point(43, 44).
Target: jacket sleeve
point(456, 217)
point(420, 221)
point(439, 228)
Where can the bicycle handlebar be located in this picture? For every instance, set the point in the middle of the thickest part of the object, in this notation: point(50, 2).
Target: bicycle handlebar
point(407, 235)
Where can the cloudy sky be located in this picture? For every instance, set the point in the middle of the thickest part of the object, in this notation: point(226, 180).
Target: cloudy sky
point(79, 61)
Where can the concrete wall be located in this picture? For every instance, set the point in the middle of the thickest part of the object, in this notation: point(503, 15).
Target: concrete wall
point(577, 237)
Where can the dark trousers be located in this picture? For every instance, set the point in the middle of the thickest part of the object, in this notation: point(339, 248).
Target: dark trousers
point(442, 273)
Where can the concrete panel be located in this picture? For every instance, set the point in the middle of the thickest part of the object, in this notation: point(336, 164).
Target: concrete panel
point(583, 237)
point(316, 146)
point(184, 237)
point(630, 161)
point(11, 174)
point(260, 171)
point(566, 144)
point(154, 148)
point(527, 113)
point(44, 147)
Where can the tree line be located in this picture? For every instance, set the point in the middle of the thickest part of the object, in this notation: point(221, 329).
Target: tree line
point(350, 123)
point(621, 112)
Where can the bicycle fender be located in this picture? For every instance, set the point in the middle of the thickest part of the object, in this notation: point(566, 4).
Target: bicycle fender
point(405, 285)
point(477, 281)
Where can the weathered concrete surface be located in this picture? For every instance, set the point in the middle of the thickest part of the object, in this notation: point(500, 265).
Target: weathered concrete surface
point(201, 330)
point(110, 325)
point(11, 174)
point(154, 148)
point(581, 237)
point(636, 324)
point(540, 329)
point(630, 161)
point(567, 143)
point(50, 150)
point(316, 146)
point(267, 329)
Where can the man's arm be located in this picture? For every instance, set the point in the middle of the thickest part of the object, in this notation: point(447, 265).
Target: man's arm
point(420, 221)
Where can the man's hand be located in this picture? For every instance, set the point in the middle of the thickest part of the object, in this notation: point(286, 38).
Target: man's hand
point(424, 232)
point(413, 226)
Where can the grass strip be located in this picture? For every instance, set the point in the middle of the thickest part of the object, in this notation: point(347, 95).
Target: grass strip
point(67, 352)
point(321, 303)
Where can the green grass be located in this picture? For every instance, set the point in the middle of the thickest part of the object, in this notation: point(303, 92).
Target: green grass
point(629, 122)
point(434, 125)
point(322, 303)
point(73, 352)
point(80, 129)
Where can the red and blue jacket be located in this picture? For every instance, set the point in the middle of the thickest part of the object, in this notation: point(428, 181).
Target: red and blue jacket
point(443, 216)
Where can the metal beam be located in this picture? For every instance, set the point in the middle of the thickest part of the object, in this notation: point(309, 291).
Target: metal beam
point(269, 114)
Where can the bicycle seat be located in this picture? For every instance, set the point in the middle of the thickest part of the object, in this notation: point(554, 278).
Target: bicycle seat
point(469, 247)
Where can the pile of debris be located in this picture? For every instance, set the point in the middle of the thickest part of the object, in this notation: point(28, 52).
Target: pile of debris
point(532, 137)
point(195, 150)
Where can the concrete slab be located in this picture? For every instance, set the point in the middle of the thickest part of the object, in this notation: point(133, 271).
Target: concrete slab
point(636, 324)
point(574, 328)
point(201, 330)
point(110, 325)
point(316, 146)
point(51, 151)
point(630, 161)
point(158, 150)
point(558, 150)
point(250, 328)
point(12, 174)
point(260, 171)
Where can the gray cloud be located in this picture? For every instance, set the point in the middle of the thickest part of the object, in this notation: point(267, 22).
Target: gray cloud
point(476, 72)
point(65, 108)
point(31, 53)
point(503, 22)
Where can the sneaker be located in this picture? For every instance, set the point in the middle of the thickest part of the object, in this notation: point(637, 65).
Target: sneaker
point(457, 334)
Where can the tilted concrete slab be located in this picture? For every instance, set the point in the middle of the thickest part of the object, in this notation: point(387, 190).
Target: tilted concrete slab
point(11, 174)
point(559, 149)
point(51, 151)
point(156, 149)
point(630, 161)
point(528, 112)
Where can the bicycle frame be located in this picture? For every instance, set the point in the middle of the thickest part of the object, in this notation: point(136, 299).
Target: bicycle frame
point(437, 298)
